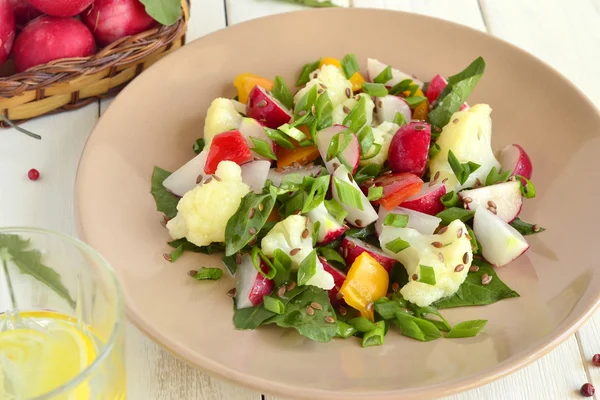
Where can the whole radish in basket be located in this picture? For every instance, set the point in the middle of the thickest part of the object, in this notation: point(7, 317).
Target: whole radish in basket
point(61, 8)
point(24, 12)
point(110, 20)
point(7, 29)
point(50, 38)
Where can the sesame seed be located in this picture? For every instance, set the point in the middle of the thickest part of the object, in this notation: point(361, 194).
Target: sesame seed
point(252, 230)
point(316, 305)
point(467, 200)
point(231, 292)
point(486, 279)
point(455, 121)
point(459, 233)
point(491, 204)
point(208, 180)
point(536, 228)
point(281, 291)
point(216, 178)
point(192, 272)
point(466, 258)
point(443, 230)
point(167, 256)
point(305, 233)
point(199, 179)
point(346, 109)
point(348, 93)
point(238, 258)
point(291, 286)
point(313, 109)
point(395, 286)
point(310, 310)
point(415, 277)
point(437, 245)
point(459, 268)
point(358, 223)
point(260, 207)
point(302, 113)
point(295, 251)
point(329, 319)
point(261, 104)
point(474, 268)
point(343, 311)
point(436, 176)
point(251, 212)
point(441, 257)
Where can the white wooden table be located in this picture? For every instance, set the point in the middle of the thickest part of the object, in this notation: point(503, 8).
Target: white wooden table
point(565, 34)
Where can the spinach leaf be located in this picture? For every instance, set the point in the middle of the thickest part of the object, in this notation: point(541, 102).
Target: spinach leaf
point(417, 328)
point(166, 202)
point(188, 246)
point(362, 233)
point(230, 263)
point(282, 93)
point(473, 293)
point(450, 214)
point(332, 255)
point(467, 329)
point(240, 228)
point(525, 228)
point(199, 145)
point(251, 317)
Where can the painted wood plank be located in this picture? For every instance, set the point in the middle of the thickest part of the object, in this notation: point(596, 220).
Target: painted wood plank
point(244, 10)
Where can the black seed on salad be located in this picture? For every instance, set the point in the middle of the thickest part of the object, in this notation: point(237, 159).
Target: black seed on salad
point(231, 292)
point(415, 277)
point(208, 180)
point(252, 230)
point(348, 93)
point(432, 183)
point(466, 258)
point(346, 110)
point(251, 212)
point(455, 121)
point(329, 319)
point(343, 311)
point(310, 310)
point(491, 204)
point(395, 286)
point(302, 113)
point(444, 180)
point(281, 291)
point(323, 85)
point(437, 245)
point(358, 223)
point(192, 272)
point(486, 279)
point(436, 176)
point(316, 305)
point(467, 200)
point(305, 233)
point(291, 286)
point(252, 242)
point(474, 268)
point(536, 228)
point(459, 268)
point(199, 179)
point(295, 251)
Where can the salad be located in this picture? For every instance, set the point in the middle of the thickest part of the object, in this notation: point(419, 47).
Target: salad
point(359, 202)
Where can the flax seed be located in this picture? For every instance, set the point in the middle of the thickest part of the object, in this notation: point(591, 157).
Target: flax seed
point(459, 268)
point(459, 233)
point(310, 310)
point(348, 93)
point(238, 258)
point(466, 258)
point(291, 286)
point(261, 207)
point(415, 277)
point(199, 179)
point(329, 319)
point(167, 256)
point(192, 272)
point(486, 279)
point(231, 292)
point(251, 212)
point(436, 176)
point(395, 286)
point(473, 268)
point(467, 200)
point(491, 204)
point(437, 245)
point(281, 291)
point(295, 251)
point(252, 231)
point(316, 305)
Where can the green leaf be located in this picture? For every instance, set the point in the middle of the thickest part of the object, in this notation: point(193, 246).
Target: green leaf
point(427, 275)
point(422, 312)
point(262, 148)
point(412, 89)
point(166, 202)
point(350, 65)
point(397, 245)
point(388, 309)
point(473, 293)
point(455, 93)
point(450, 214)
point(274, 305)
point(365, 139)
point(527, 188)
point(338, 144)
point(384, 76)
point(280, 138)
point(374, 89)
point(166, 12)
point(250, 318)
point(315, 327)
point(188, 246)
point(367, 172)
point(400, 87)
point(474, 243)
point(374, 337)
point(332, 255)
point(208, 274)
point(451, 199)
point(362, 324)
point(495, 177)
point(175, 254)
point(362, 233)
point(397, 220)
point(230, 263)
point(306, 102)
point(282, 93)
point(307, 268)
point(462, 171)
point(306, 71)
point(347, 193)
point(336, 210)
point(283, 267)
point(315, 234)
point(375, 149)
point(434, 149)
point(199, 145)
point(399, 119)
point(375, 193)
point(241, 229)
point(525, 228)
point(357, 117)
point(316, 194)
point(417, 328)
point(324, 115)
point(467, 329)
point(16, 250)
point(414, 101)
point(259, 259)
point(345, 330)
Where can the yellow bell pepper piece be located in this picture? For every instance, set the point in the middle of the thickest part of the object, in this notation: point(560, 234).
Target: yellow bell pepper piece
point(357, 79)
point(300, 155)
point(245, 82)
point(422, 110)
point(366, 282)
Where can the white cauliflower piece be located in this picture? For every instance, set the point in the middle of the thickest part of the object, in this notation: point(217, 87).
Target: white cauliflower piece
point(341, 110)
point(446, 261)
point(203, 212)
point(221, 116)
point(334, 80)
point(469, 136)
point(321, 279)
point(383, 135)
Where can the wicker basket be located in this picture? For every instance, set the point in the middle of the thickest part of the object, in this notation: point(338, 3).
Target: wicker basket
point(68, 84)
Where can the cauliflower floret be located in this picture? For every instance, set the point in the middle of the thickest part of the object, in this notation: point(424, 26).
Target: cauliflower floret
point(445, 261)
point(203, 212)
point(339, 111)
point(469, 136)
point(333, 79)
point(287, 235)
point(221, 116)
point(383, 135)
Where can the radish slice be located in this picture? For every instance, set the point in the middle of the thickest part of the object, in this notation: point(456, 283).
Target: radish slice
point(351, 153)
point(338, 279)
point(514, 158)
point(329, 228)
point(250, 285)
point(251, 128)
point(255, 173)
point(423, 223)
point(427, 201)
point(353, 247)
point(375, 67)
point(266, 109)
point(184, 179)
point(389, 105)
point(505, 198)
point(357, 216)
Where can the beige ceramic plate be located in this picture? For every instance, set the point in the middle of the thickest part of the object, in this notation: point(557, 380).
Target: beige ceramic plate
point(158, 117)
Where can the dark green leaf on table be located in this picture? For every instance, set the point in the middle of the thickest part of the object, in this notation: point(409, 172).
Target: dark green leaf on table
point(166, 202)
point(198, 145)
point(208, 274)
point(525, 228)
point(188, 246)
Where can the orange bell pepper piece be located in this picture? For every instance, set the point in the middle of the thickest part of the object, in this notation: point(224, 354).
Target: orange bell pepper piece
point(357, 79)
point(366, 282)
point(421, 111)
point(246, 81)
point(300, 155)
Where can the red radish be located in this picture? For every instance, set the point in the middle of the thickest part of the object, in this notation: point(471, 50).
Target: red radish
point(266, 109)
point(504, 199)
point(187, 176)
point(424, 223)
point(110, 20)
point(47, 39)
point(514, 158)
point(61, 8)
point(276, 175)
point(254, 174)
point(397, 188)
point(24, 12)
point(250, 285)
point(251, 128)
point(437, 84)
point(329, 228)
point(353, 247)
point(227, 146)
point(360, 216)
point(375, 67)
point(7, 30)
point(427, 201)
point(389, 105)
point(351, 153)
point(500, 242)
point(409, 148)
point(338, 279)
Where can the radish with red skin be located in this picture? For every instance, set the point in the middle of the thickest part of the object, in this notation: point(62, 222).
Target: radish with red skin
point(276, 175)
point(397, 188)
point(250, 285)
point(505, 198)
point(409, 149)
point(388, 106)
point(251, 128)
point(110, 20)
point(329, 228)
point(351, 153)
point(436, 86)
point(424, 223)
point(47, 39)
point(7, 30)
point(514, 158)
point(353, 247)
point(254, 174)
point(357, 216)
point(427, 201)
point(61, 8)
point(375, 67)
point(186, 177)
point(24, 12)
point(338, 279)
point(230, 146)
point(266, 109)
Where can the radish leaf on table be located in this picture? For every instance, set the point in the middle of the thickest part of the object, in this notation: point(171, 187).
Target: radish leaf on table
point(166, 12)
point(166, 202)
